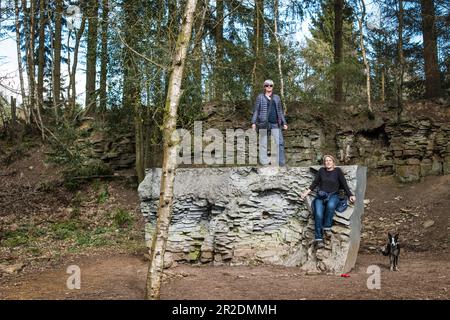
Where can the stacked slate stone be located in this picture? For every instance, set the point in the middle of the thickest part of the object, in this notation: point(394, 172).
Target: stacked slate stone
point(303, 146)
point(117, 152)
point(420, 148)
point(409, 149)
point(249, 215)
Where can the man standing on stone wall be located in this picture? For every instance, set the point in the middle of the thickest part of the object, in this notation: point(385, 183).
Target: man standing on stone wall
point(268, 118)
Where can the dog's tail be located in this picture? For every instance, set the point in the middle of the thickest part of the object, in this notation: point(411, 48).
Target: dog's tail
point(386, 251)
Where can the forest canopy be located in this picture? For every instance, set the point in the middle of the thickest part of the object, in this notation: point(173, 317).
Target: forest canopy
point(333, 51)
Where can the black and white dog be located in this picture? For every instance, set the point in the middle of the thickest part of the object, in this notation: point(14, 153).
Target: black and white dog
point(393, 251)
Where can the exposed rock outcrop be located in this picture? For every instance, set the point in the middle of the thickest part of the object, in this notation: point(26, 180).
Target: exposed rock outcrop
point(410, 146)
point(246, 215)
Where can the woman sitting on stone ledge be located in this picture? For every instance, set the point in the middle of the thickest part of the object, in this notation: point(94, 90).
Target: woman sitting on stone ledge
point(329, 180)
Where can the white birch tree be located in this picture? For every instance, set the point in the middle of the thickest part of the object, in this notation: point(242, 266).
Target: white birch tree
point(164, 214)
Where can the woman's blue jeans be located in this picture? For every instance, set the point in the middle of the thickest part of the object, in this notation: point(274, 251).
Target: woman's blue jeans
point(323, 213)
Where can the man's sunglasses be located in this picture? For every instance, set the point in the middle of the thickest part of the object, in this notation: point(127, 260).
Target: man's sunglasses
point(268, 85)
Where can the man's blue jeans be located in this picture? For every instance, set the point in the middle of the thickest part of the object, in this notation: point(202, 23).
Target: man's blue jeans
point(277, 156)
point(323, 213)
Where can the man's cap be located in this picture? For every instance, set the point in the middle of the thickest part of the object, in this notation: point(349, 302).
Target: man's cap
point(268, 81)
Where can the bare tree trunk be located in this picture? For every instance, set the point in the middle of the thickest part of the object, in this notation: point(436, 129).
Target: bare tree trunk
point(338, 48)
point(3, 104)
point(197, 59)
point(57, 59)
point(400, 60)
point(306, 79)
point(69, 73)
point(91, 57)
point(12, 133)
point(129, 59)
point(158, 249)
point(172, 29)
point(132, 83)
point(146, 127)
point(41, 54)
point(34, 92)
point(29, 43)
point(218, 83)
point(363, 50)
point(104, 55)
point(432, 76)
point(139, 138)
point(25, 103)
point(280, 70)
point(73, 96)
point(383, 84)
point(258, 47)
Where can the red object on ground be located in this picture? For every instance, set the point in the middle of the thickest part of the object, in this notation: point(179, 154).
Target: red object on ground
point(345, 275)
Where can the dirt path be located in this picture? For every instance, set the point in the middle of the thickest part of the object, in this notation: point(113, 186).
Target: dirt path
point(406, 209)
point(422, 276)
point(419, 212)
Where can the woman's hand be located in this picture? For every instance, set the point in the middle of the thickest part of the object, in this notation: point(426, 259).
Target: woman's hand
point(352, 199)
point(304, 194)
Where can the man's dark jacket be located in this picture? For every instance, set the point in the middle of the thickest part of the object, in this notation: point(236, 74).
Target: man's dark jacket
point(260, 111)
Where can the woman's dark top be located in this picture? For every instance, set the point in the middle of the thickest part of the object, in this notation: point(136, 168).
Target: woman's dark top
point(331, 181)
